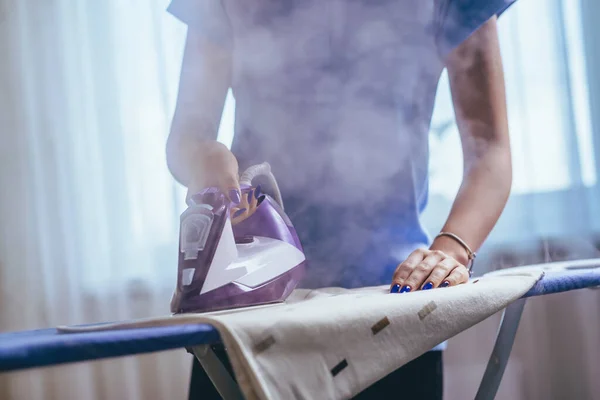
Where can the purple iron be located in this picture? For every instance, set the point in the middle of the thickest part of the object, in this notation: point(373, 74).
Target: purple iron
point(254, 259)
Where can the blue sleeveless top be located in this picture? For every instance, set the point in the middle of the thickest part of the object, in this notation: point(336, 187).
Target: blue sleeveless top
point(337, 96)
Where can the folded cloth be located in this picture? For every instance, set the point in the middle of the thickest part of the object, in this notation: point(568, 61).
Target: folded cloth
point(333, 343)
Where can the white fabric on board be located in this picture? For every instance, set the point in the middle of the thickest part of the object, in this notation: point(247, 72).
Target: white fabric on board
point(333, 343)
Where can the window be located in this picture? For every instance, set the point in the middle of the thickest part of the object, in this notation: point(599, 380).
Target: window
point(547, 104)
point(549, 118)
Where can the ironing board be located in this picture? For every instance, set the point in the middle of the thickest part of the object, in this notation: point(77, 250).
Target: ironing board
point(46, 347)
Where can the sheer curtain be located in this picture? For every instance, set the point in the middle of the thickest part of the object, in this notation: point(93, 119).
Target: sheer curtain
point(88, 209)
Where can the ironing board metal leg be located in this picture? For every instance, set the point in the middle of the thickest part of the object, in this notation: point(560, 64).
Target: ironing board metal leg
point(218, 374)
point(499, 358)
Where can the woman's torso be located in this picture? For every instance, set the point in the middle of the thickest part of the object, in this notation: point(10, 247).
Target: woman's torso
point(337, 96)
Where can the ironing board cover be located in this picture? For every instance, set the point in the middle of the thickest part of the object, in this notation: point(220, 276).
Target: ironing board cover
point(45, 347)
point(339, 341)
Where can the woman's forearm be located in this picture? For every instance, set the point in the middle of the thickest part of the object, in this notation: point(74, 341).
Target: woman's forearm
point(204, 82)
point(480, 201)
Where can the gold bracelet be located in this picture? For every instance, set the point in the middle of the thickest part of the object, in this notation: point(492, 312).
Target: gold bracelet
point(470, 253)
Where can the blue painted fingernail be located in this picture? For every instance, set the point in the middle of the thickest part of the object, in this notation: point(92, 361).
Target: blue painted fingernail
point(260, 199)
point(395, 289)
point(234, 195)
point(445, 284)
point(428, 286)
point(250, 194)
point(239, 212)
point(257, 192)
point(405, 289)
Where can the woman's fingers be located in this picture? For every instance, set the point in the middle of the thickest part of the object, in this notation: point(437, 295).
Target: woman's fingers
point(244, 203)
point(233, 194)
point(248, 203)
point(253, 197)
point(439, 273)
point(238, 215)
point(428, 269)
point(458, 275)
point(226, 182)
point(405, 269)
point(422, 271)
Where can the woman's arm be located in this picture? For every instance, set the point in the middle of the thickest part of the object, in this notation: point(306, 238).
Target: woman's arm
point(477, 83)
point(204, 82)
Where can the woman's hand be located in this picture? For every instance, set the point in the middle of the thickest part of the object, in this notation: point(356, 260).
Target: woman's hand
point(427, 269)
point(250, 201)
point(215, 166)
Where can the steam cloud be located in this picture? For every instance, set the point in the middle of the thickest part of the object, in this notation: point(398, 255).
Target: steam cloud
point(337, 96)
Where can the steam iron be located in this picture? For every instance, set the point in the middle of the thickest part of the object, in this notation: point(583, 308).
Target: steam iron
point(225, 263)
